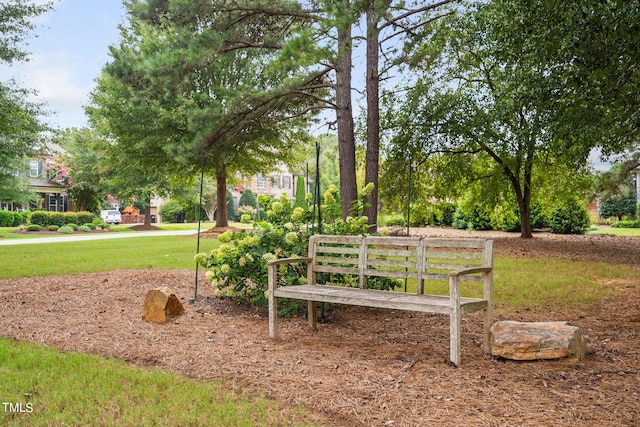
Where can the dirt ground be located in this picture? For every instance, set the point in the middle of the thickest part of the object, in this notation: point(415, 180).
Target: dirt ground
point(365, 367)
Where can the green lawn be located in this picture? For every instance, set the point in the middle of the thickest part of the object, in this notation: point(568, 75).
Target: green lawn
point(46, 259)
point(42, 387)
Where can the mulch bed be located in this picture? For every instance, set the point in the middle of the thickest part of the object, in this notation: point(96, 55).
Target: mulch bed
point(366, 366)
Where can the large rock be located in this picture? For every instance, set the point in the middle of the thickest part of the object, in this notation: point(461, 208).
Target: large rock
point(536, 340)
point(161, 305)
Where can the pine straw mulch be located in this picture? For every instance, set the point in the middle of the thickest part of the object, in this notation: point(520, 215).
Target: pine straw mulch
point(366, 366)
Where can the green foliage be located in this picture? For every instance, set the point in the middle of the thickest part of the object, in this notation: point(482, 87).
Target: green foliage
point(34, 227)
point(618, 207)
point(98, 222)
point(471, 216)
point(71, 217)
point(396, 220)
point(231, 209)
point(89, 225)
point(66, 229)
point(238, 268)
point(505, 218)
point(40, 218)
point(248, 199)
point(85, 217)
point(53, 228)
point(20, 218)
point(72, 226)
point(84, 228)
point(57, 218)
point(301, 194)
point(627, 224)
point(6, 218)
point(172, 210)
point(570, 217)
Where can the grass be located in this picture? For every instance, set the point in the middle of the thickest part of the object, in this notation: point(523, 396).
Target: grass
point(46, 387)
point(171, 252)
point(613, 231)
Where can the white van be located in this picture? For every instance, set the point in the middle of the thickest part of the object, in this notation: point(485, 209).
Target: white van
point(111, 216)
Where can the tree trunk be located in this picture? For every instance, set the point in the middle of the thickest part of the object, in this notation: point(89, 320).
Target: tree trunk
point(344, 118)
point(221, 190)
point(147, 211)
point(373, 118)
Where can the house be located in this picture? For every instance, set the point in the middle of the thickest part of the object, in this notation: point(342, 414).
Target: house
point(42, 178)
point(276, 183)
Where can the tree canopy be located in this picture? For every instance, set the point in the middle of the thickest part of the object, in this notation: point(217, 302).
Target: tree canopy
point(193, 78)
point(20, 127)
point(499, 91)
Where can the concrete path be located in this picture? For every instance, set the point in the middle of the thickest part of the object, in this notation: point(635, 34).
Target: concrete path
point(100, 236)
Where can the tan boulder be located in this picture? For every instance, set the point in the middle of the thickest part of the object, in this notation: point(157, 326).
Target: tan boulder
point(161, 305)
point(536, 340)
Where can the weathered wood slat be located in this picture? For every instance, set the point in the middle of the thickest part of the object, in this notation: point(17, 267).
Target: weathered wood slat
point(376, 298)
point(391, 273)
point(375, 262)
point(337, 250)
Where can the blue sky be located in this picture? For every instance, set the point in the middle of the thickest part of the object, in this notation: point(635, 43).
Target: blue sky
point(67, 55)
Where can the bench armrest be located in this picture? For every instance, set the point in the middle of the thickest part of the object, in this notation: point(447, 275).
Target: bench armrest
point(272, 272)
point(473, 270)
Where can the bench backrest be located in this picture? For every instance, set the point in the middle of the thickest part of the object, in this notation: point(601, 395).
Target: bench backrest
point(398, 257)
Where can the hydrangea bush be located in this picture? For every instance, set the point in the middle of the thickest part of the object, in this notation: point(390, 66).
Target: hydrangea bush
point(238, 268)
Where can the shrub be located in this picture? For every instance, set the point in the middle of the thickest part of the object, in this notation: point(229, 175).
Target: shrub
point(422, 214)
point(396, 220)
point(71, 217)
point(538, 218)
point(444, 213)
point(6, 218)
point(618, 207)
point(84, 228)
point(34, 227)
point(65, 230)
point(53, 228)
point(570, 217)
point(72, 226)
point(172, 211)
point(505, 218)
point(90, 225)
point(248, 199)
point(85, 217)
point(20, 218)
point(231, 209)
point(57, 218)
point(40, 218)
point(474, 218)
point(627, 224)
point(238, 268)
point(98, 222)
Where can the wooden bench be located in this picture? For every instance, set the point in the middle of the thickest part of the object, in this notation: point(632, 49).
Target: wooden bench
point(421, 259)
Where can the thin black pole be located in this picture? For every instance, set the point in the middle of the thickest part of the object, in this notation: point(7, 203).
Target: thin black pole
point(408, 210)
point(195, 292)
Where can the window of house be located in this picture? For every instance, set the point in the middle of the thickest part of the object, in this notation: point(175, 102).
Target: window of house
point(262, 181)
point(275, 181)
point(33, 168)
point(53, 203)
point(286, 182)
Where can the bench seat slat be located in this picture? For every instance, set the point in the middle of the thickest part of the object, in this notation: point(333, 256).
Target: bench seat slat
point(381, 299)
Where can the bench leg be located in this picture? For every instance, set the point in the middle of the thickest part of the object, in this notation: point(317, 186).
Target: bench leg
point(455, 319)
point(273, 316)
point(454, 338)
point(311, 314)
point(488, 321)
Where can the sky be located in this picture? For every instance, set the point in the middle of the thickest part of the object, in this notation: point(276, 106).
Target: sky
point(67, 55)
